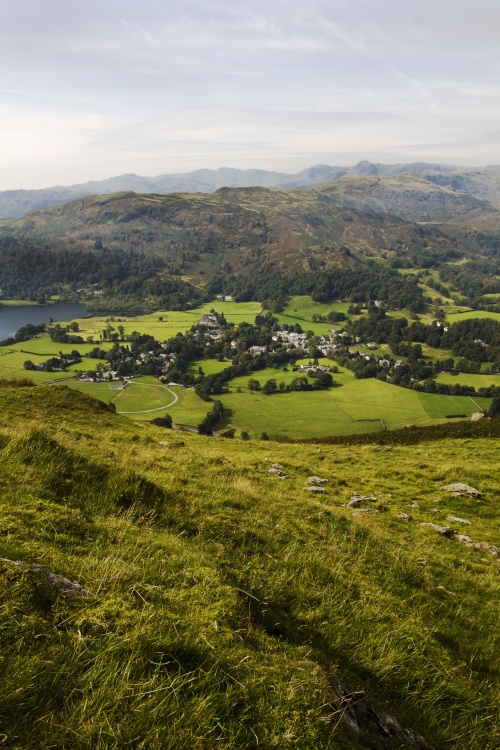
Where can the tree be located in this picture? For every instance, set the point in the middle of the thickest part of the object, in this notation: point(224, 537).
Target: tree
point(245, 435)
point(28, 365)
point(324, 380)
point(165, 421)
point(270, 386)
point(494, 410)
point(253, 385)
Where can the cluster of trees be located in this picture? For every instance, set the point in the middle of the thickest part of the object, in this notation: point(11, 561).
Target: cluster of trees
point(141, 356)
point(24, 334)
point(474, 339)
point(473, 279)
point(417, 374)
point(54, 364)
point(268, 284)
point(212, 419)
point(132, 297)
point(127, 280)
point(320, 380)
point(332, 317)
point(165, 421)
point(61, 334)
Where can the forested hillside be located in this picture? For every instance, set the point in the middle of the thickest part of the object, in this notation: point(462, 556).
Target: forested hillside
point(129, 252)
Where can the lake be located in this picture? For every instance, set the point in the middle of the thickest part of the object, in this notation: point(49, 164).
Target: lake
point(13, 318)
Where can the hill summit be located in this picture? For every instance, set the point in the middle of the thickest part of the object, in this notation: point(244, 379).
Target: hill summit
point(480, 182)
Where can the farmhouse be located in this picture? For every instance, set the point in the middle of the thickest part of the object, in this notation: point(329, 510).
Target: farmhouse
point(208, 320)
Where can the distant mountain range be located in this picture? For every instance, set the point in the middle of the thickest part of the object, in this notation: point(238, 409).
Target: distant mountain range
point(480, 182)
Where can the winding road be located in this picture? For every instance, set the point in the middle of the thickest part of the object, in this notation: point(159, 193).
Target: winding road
point(159, 408)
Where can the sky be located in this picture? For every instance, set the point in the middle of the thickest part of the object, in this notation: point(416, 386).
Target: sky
point(90, 89)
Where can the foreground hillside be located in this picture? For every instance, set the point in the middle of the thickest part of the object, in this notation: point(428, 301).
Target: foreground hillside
point(208, 602)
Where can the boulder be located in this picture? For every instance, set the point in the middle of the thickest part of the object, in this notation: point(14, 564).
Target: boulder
point(405, 517)
point(363, 498)
point(462, 490)
point(316, 480)
point(456, 519)
point(442, 530)
point(480, 546)
point(365, 724)
point(274, 472)
point(315, 488)
point(64, 586)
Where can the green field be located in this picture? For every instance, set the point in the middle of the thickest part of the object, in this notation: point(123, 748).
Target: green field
point(143, 398)
point(457, 317)
point(18, 303)
point(439, 407)
point(209, 366)
point(356, 406)
point(353, 407)
point(167, 323)
point(465, 378)
point(38, 350)
point(301, 308)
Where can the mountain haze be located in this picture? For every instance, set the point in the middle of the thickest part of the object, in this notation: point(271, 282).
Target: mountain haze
point(480, 182)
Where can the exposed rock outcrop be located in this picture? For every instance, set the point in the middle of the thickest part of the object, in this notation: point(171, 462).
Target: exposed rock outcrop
point(64, 585)
point(462, 490)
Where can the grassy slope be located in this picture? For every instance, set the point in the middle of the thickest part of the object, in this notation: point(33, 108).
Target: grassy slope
point(225, 603)
point(457, 317)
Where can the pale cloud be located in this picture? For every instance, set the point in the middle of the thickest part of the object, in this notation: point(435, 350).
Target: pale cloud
point(92, 89)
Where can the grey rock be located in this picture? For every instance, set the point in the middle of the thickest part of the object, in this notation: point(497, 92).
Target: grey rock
point(456, 519)
point(363, 721)
point(274, 472)
point(460, 489)
point(64, 586)
point(479, 546)
point(363, 498)
point(315, 488)
point(442, 530)
point(405, 517)
point(491, 549)
point(316, 480)
point(414, 504)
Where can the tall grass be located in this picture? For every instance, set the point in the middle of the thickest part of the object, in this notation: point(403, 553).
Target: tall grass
point(227, 605)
